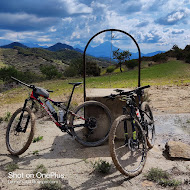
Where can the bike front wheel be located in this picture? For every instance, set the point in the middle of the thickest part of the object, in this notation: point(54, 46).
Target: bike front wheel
point(20, 131)
point(128, 151)
point(149, 124)
point(91, 123)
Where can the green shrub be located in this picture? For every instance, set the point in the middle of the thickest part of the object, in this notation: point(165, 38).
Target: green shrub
point(40, 168)
point(102, 166)
point(161, 177)
point(92, 69)
point(187, 58)
point(11, 167)
point(36, 152)
point(7, 116)
point(51, 185)
point(28, 77)
point(70, 71)
point(161, 57)
point(36, 139)
point(169, 182)
point(110, 69)
point(76, 68)
point(50, 71)
point(156, 174)
point(131, 64)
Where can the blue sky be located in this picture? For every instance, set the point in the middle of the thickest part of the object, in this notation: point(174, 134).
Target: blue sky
point(155, 24)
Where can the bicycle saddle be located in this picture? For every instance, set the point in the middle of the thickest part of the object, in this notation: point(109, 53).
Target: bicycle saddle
point(75, 83)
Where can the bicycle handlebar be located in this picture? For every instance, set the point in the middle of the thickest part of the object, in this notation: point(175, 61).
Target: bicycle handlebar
point(28, 85)
point(136, 91)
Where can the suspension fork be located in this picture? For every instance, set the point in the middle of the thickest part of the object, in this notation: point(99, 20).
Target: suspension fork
point(19, 128)
point(125, 126)
point(134, 136)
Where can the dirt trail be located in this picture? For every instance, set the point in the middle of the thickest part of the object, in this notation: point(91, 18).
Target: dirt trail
point(59, 153)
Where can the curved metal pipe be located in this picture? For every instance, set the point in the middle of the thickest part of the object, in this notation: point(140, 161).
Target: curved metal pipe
point(84, 56)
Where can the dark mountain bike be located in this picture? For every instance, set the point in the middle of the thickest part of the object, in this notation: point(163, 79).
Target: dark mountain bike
point(84, 123)
point(131, 132)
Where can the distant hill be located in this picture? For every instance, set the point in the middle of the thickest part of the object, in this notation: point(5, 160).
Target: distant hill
point(14, 44)
point(59, 46)
point(104, 49)
point(101, 51)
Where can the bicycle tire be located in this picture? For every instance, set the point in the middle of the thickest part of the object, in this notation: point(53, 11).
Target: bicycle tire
point(100, 117)
point(150, 131)
point(123, 158)
point(18, 137)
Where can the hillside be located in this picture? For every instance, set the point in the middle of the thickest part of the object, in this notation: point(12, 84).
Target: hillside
point(31, 59)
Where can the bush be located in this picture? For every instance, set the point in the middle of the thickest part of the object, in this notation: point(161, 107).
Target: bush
point(131, 64)
point(28, 77)
point(76, 68)
point(50, 71)
point(161, 57)
point(187, 58)
point(102, 166)
point(70, 71)
point(51, 185)
point(161, 177)
point(92, 69)
point(110, 69)
point(40, 169)
point(11, 167)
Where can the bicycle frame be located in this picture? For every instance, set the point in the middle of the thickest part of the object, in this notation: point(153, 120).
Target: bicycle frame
point(63, 126)
point(134, 109)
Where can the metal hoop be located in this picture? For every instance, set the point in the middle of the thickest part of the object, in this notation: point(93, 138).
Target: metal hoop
point(84, 56)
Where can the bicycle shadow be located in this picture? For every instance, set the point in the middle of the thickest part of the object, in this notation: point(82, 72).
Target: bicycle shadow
point(105, 181)
point(63, 147)
point(69, 148)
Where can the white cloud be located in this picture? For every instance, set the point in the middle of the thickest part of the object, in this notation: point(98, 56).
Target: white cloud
point(52, 29)
point(74, 7)
point(44, 39)
point(76, 21)
point(176, 16)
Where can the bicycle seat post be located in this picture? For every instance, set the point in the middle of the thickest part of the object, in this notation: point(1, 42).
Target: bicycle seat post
point(70, 98)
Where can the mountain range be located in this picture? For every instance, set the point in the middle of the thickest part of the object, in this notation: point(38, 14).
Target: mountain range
point(103, 50)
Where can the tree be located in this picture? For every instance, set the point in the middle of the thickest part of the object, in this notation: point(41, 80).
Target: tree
point(50, 71)
point(121, 57)
point(76, 68)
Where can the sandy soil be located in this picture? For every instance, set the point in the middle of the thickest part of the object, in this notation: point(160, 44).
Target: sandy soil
point(59, 153)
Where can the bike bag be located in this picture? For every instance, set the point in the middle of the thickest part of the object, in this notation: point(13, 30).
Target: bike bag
point(42, 92)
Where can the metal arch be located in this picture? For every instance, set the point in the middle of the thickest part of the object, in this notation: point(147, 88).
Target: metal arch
point(84, 56)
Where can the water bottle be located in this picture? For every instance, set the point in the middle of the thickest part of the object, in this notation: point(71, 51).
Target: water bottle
point(51, 109)
point(61, 114)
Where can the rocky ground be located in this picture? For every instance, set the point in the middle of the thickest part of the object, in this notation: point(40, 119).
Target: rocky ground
point(60, 154)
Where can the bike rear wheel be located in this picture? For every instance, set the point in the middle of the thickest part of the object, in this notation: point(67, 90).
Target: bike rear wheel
point(20, 131)
point(149, 124)
point(91, 123)
point(129, 156)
